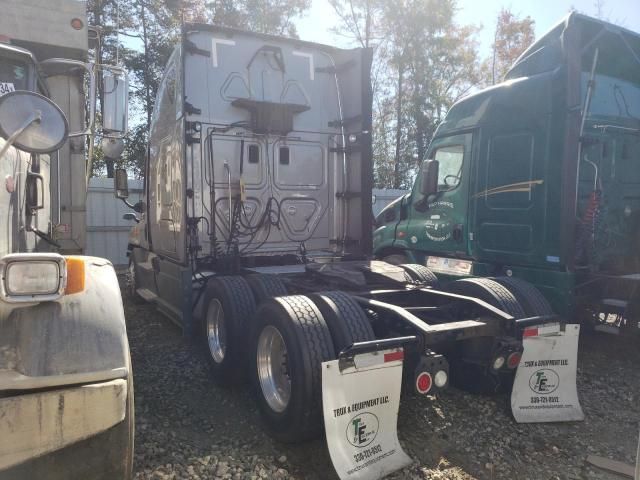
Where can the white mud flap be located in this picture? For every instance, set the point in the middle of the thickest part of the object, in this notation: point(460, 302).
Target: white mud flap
point(545, 389)
point(360, 405)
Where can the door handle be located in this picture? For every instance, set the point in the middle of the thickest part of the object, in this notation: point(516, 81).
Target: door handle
point(457, 232)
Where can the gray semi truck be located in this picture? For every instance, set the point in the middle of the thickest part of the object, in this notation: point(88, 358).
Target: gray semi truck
point(66, 391)
point(254, 232)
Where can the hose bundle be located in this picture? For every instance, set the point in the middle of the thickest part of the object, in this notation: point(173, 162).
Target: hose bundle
point(589, 228)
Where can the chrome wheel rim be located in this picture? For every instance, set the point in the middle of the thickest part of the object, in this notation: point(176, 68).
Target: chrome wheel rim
point(273, 369)
point(216, 331)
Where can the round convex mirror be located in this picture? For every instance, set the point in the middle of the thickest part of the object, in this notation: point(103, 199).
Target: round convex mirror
point(48, 130)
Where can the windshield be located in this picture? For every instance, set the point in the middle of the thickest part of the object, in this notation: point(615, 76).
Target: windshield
point(13, 75)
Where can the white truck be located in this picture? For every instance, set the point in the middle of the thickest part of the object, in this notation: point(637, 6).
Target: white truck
point(66, 392)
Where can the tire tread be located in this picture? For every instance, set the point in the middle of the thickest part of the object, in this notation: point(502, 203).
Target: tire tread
point(344, 313)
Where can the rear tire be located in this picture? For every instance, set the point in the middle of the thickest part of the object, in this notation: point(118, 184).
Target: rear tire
point(488, 291)
point(420, 274)
point(395, 259)
point(265, 286)
point(474, 376)
point(288, 381)
point(229, 305)
point(529, 297)
point(347, 322)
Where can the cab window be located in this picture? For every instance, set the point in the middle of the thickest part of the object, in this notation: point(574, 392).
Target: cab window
point(14, 75)
point(450, 166)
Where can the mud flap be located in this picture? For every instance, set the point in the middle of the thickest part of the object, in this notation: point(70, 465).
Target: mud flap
point(360, 404)
point(545, 389)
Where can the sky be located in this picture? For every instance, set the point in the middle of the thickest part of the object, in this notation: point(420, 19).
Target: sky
point(316, 24)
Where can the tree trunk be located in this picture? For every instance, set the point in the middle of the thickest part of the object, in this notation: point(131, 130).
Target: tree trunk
point(147, 83)
point(396, 160)
point(98, 7)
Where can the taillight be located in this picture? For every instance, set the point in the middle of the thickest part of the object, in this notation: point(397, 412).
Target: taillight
point(423, 382)
point(514, 360)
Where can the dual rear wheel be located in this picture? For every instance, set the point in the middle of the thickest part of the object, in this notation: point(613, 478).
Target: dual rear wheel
point(292, 336)
point(281, 343)
point(252, 328)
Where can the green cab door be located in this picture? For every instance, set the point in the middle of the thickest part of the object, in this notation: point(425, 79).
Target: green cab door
point(438, 225)
point(508, 200)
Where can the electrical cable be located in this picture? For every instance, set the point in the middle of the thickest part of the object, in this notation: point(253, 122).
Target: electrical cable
point(617, 90)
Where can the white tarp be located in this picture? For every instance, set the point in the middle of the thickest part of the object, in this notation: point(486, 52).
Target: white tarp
point(545, 389)
point(360, 415)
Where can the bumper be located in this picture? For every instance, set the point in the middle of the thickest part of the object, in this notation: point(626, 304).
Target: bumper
point(35, 424)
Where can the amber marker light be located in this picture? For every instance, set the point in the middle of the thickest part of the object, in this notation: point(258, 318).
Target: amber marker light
point(75, 275)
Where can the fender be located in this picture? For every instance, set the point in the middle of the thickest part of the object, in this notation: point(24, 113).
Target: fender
point(35, 346)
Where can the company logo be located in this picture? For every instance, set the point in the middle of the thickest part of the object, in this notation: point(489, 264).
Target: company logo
point(362, 429)
point(544, 381)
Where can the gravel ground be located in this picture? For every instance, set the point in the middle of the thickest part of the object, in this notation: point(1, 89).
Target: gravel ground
point(187, 427)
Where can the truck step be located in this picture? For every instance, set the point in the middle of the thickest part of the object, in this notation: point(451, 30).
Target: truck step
point(146, 294)
point(145, 266)
point(464, 324)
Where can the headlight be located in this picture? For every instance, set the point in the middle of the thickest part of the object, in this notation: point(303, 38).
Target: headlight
point(32, 277)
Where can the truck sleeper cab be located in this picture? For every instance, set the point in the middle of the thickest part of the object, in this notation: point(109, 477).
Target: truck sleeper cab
point(255, 231)
point(537, 178)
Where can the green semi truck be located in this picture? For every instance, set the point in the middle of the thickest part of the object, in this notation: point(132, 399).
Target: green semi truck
point(536, 181)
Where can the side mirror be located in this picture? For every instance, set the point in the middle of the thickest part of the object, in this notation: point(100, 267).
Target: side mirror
point(131, 216)
point(121, 184)
point(115, 88)
point(429, 178)
point(32, 123)
point(34, 192)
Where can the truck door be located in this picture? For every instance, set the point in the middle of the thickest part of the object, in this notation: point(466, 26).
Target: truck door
point(508, 197)
point(439, 226)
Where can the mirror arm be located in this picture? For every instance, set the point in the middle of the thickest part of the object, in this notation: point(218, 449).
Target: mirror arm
point(35, 116)
point(45, 237)
point(136, 207)
point(130, 205)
